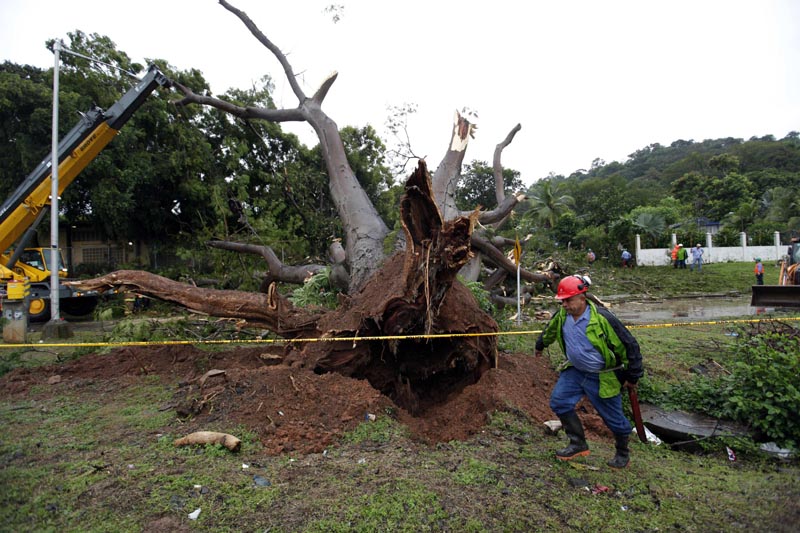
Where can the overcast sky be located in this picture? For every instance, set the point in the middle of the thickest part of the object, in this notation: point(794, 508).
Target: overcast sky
point(585, 79)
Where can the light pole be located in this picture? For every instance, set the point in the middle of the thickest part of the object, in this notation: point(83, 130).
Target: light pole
point(55, 264)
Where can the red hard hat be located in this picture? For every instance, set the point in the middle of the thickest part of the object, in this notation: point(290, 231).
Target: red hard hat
point(571, 286)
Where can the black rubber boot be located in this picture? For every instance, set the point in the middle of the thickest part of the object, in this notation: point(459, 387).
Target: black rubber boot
point(623, 454)
point(577, 440)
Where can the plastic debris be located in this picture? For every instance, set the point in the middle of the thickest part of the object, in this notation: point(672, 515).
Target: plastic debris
point(245, 466)
point(773, 449)
point(261, 481)
point(731, 455)
point(194, 514)
point(369, 417)
point(600, 489)
point(551, 427)
point(652, 437)
point(579, 483)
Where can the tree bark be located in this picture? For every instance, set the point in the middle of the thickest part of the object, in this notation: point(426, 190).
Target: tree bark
point(364, 229)
point(433, 337)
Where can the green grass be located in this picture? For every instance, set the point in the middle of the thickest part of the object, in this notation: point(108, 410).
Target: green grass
point(66, 469)
point(100, 457)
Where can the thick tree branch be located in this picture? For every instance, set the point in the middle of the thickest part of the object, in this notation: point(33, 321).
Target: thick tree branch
point(446, 175)
point(322, 92)
point(499, 184)
point(287, 68)
point(277, 270)
point(270, 310)
point(498, 258)
point(500, 212)
point(249, 112)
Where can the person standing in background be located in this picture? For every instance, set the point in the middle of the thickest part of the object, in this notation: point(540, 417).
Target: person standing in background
point(682, 256)
point(697, 258)
point(759, 272)
point(626, 258)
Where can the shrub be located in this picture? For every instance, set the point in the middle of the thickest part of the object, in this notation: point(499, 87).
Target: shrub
point(761, 389)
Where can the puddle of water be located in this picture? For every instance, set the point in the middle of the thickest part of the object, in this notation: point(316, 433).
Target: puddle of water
point(685, 310)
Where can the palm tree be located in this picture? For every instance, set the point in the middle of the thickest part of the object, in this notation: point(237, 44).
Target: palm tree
point(650, 224)
point(547, 203)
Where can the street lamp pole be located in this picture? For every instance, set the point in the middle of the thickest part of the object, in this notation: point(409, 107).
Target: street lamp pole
point(55, 264)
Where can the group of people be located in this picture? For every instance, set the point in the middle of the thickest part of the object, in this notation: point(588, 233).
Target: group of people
point(626, 257)
point(681, 254)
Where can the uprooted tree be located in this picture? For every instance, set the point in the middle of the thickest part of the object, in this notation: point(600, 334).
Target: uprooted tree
point(407, 299)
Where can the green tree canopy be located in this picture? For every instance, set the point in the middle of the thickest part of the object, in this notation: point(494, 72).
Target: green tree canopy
point(476, 185)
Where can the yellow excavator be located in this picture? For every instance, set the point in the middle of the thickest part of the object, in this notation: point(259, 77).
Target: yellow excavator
point(22, 212)
point(787, 292)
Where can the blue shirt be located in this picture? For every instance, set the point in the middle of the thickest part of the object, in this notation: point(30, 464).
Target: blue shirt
point(580, 352)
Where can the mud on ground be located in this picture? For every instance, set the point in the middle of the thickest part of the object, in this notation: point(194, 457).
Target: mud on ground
point(293, 410)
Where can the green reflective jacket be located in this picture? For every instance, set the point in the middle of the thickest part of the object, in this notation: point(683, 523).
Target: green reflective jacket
point(623, 359)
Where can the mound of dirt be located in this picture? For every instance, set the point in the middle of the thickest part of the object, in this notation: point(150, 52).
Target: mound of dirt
point(294, 410)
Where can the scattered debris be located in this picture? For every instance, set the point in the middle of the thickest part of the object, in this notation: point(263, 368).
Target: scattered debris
point(194, 514)
point(773, 449)
point(210, 437)
point(581, 466)
point(674, 426)
point(578, 483)
point(551, 427)
point(261, 481)
point(651, 437)
point(210, 374)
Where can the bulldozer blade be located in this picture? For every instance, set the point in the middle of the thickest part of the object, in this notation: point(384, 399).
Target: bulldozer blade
point(775, 296)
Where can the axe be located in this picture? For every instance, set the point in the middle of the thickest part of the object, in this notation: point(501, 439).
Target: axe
point(637, 413)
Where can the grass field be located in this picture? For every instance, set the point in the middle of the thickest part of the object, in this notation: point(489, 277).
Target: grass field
point(98, 456)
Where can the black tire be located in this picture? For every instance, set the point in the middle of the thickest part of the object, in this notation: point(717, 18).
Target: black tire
point(78, 307)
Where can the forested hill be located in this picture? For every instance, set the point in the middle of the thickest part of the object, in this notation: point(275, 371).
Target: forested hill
point(751, 186)
point(680, 157)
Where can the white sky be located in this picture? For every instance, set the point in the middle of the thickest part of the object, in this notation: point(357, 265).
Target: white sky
point(585, 79)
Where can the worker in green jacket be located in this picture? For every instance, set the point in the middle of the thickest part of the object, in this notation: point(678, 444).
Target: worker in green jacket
point(601, 355)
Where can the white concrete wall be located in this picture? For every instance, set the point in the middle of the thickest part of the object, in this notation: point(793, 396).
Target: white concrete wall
point(742, 253)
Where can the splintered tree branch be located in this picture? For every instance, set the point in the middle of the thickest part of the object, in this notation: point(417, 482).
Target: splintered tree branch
point(322, 92)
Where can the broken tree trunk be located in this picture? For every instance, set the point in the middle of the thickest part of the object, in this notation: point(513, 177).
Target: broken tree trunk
point(433, 338)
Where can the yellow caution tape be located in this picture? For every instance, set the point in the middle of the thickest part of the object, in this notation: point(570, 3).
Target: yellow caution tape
point(369, 338)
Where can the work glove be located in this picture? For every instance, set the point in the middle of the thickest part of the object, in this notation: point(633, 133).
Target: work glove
point(630, 378)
